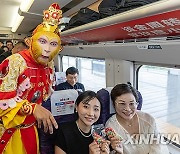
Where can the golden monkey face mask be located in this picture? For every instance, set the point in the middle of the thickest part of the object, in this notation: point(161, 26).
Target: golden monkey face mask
point(45, 46)
point(45, 41)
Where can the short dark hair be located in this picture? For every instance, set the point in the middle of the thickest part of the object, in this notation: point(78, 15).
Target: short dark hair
point(121, 89)
point(22, 43)
point(8, 41)
point(72, 71)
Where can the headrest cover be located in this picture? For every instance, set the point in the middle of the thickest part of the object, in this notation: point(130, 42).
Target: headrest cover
point(51, 20)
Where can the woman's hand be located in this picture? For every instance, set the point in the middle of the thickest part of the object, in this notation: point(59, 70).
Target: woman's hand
point(105, 147)
point(94, 148)
point(44, 116)
point(116, 144)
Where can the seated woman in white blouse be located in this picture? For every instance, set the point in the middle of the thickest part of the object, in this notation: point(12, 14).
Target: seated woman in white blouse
point(138, 129)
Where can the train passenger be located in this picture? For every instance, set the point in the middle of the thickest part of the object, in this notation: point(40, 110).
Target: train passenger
point(9, 44)
point(5, 54)
point(76, 137)
point(25, 81)
point(19, 47)
point(132, 125)
point(71, 81)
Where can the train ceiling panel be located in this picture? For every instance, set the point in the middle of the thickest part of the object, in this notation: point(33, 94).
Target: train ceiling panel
point(154, 51)
point(12, 12)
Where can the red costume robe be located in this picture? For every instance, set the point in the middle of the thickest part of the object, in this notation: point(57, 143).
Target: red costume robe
point(22, 81)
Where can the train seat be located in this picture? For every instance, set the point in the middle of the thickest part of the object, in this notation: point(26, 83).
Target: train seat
point(61, 104)
point(107, 107)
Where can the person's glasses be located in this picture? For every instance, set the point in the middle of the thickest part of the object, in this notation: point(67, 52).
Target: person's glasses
point(122, 105)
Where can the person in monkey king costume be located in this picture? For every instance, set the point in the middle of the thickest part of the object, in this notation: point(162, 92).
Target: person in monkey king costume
point(25, 82)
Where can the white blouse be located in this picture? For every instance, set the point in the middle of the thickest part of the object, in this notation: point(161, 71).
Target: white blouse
point(141, 143)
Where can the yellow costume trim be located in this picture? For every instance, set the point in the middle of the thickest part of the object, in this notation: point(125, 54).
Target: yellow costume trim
point(26, 109)
point(15, 144)
point(16, 66)
point(10, 117)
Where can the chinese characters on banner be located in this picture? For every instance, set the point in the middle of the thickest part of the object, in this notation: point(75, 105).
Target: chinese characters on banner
point(154, 28)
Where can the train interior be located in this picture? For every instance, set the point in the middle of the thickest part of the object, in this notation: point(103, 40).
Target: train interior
point(140, 46)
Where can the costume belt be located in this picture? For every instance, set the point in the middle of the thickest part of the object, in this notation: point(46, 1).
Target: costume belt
point(9, 132)
point(23, 126)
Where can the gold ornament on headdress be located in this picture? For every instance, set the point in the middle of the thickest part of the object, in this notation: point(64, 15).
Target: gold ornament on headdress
point(51, 20)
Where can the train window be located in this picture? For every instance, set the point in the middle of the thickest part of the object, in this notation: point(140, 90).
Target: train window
point(91, 71)
point(160, 88)
point(68, 62)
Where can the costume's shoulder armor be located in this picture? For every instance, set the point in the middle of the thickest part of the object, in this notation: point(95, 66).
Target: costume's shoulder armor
point(10, 70)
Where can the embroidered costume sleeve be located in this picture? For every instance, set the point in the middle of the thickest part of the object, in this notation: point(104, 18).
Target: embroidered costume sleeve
point(10, 89)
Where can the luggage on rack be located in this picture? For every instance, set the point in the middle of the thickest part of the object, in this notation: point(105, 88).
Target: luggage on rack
point(111, 7)
point(84, 16)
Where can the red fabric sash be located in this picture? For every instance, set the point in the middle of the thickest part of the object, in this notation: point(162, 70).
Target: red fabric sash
point(28, 136)
point(5, 138)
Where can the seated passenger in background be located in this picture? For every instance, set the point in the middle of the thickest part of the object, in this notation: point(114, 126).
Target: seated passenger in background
point(19, 47)
point(132, 125)
point(76, 137)
point(9, 44)
point(8, 50)
point(71, 81)
point(5, 54)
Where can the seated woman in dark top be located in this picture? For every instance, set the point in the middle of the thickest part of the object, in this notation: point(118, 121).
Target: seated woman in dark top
point(76, 137)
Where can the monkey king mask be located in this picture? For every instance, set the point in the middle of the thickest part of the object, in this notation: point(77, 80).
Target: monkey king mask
point(45, 41)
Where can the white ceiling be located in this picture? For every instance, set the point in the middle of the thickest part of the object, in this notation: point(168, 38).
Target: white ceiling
point(9, 10)
point(32, 20)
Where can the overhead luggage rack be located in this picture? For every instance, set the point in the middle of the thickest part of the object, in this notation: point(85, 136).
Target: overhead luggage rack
point(159, 19)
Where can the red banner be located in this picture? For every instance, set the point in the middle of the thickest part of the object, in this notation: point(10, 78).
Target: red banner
point(164, 24)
